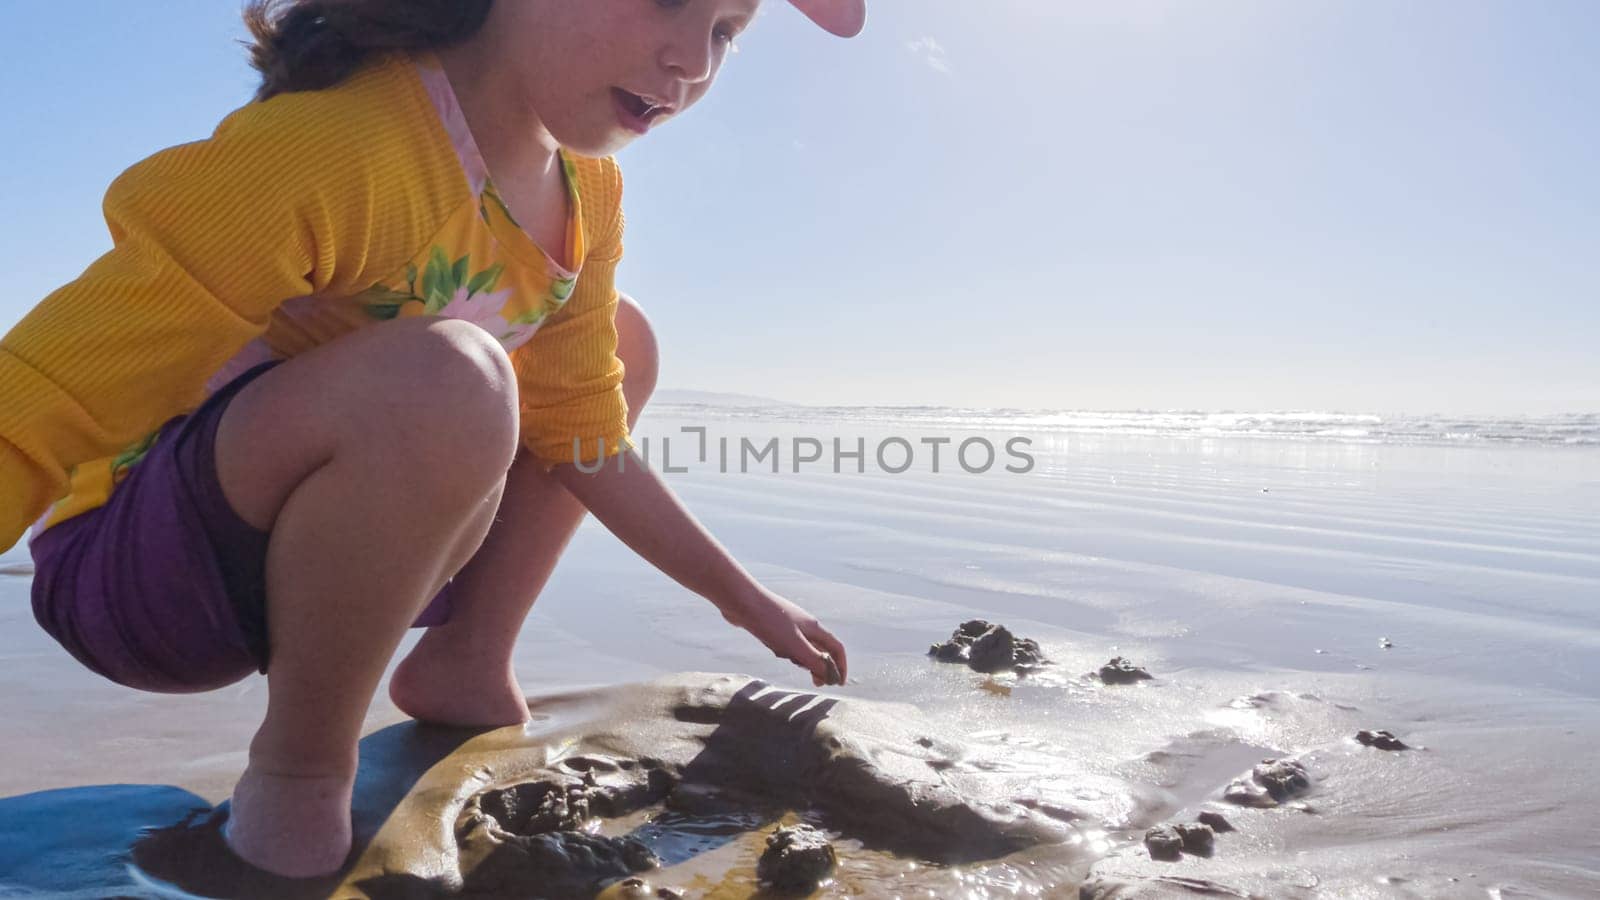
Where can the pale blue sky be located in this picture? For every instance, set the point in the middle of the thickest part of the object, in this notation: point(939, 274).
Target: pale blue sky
point(1247, 204)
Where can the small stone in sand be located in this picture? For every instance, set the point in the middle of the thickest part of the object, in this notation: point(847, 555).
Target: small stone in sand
point(1215, 820)
point(1122, 671)
point(1164, 843)
point(1383, 740)
point(1197, 839)
point(797, 858)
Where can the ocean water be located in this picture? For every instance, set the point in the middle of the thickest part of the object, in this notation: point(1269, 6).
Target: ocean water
point(1572, 429)
point(1286, 580)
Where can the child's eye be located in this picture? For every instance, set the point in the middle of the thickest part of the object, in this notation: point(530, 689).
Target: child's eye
point(723, 34)
point(728, 32)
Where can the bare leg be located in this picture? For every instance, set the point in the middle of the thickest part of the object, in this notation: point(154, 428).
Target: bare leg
point(460, 673)
point(377, 462)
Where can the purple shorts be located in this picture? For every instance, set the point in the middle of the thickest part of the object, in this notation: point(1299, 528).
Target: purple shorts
point(163, 588)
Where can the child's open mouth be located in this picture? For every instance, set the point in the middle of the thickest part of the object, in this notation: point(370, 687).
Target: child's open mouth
point(638, 113)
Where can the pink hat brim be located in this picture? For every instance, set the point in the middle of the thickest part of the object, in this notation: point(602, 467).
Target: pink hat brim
point(844, 18)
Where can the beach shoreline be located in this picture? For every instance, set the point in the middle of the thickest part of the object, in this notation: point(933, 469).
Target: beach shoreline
point(1258, 579)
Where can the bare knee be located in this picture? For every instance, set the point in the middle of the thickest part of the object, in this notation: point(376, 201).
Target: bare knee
point(430, 401)
point(640, 355)
point(451, 398)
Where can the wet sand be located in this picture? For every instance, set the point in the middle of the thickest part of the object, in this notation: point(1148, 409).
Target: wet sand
point(1256, 580)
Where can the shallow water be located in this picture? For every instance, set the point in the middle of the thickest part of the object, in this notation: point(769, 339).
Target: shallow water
point(1233, 568)
point(1255, 578)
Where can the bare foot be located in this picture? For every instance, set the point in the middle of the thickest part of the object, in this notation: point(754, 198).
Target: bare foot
point(446, 687)
point(297, 826)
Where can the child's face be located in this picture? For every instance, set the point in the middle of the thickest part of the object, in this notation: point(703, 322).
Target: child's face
point(600, 73)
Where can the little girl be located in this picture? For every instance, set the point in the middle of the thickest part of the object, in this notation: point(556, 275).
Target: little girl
point(355, 364)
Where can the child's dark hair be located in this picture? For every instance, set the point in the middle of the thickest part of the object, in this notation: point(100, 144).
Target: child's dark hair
point(306, 45)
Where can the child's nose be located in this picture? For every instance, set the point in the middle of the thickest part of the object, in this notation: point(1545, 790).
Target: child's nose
point(688, 59)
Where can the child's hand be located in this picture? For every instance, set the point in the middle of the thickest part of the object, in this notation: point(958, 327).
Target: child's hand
point(791, 633)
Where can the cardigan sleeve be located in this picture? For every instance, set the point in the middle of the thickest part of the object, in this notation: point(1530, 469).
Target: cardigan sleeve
point(568, 374)
point(300, 194)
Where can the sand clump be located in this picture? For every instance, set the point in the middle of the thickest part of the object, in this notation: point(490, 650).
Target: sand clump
point(989, 649)
point(1197, 839)
point(1164, 843)
point(1122, 671)
point(1167, 843)
point(534, 832)
point(1269, 784)
point(1381, 740)
point(797, 859)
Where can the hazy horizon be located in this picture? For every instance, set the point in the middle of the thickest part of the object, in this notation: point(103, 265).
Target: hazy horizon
point(675, 394)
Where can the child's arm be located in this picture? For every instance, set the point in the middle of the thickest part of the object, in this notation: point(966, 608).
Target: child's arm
point(302, 194)
point(570, 381)
point(638, 507)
